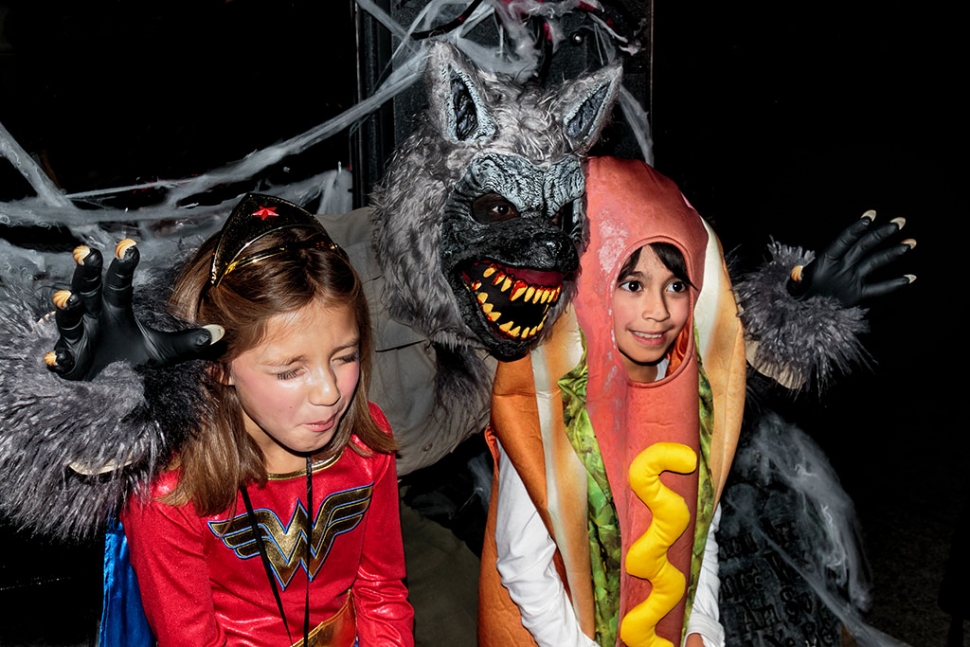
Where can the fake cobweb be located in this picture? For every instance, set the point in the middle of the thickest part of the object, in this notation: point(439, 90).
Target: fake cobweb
point(516, 54)
point(792, 570)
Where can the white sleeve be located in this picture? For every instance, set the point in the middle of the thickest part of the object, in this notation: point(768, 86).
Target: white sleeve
point(704, 618)
point(525, 552)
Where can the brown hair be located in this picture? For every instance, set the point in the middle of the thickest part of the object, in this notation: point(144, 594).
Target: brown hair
point(669, 255)
point(220, 455)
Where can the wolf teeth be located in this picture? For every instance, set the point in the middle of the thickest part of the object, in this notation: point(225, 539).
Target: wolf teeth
point(521, 288)
point(516, 289)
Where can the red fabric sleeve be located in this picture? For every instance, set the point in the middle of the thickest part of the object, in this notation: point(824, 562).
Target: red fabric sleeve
point(168, 556)
point(384, 616)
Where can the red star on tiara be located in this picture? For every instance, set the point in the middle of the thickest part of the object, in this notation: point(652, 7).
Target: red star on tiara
point(265, 212)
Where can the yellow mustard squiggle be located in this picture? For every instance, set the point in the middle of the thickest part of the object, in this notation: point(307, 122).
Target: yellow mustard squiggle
point(647, 557)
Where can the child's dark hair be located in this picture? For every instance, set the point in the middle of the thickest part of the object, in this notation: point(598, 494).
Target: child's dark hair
point(220, 455)
point(669, 255)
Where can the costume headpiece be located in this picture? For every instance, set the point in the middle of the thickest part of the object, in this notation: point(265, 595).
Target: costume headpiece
point(254, 217)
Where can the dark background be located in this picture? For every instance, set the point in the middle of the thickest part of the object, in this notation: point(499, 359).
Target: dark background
point(792, 119)
point(776, 119)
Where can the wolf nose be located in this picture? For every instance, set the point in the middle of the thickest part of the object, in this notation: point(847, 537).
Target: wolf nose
point(552, 246)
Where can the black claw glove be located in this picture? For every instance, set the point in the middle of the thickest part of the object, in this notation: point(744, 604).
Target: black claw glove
point(842, 269)
point(97, 325)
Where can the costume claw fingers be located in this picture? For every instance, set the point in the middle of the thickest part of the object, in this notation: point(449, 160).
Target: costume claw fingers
point(59, 360)
point(911, 277)
point(870, 215)
point(909, 242)
point(899, 222)
point(60, 298)
point(80, 253)
point(216, 332)
point(796, 273)
point(123, 246)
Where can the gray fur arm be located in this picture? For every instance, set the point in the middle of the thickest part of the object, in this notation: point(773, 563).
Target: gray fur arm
point(71, 452)
point(796, 341)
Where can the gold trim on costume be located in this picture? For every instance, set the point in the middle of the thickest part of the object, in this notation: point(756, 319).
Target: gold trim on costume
point(317, 466)
point(340, 630)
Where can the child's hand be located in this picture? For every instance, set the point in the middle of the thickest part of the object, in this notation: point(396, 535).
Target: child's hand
point(97, 325)
point(694, 640)
point(841, 270)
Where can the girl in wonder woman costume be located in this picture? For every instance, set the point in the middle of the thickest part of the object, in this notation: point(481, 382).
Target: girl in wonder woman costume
point(278, 522)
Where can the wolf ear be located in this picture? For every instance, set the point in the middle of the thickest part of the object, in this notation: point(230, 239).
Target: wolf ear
point(586, 103)
point(455, 94)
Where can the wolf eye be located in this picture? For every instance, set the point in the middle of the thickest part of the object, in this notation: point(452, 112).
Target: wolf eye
point(564, 217)
point(492, 208)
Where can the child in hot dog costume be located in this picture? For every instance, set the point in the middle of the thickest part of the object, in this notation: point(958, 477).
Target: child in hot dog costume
point(588, 444)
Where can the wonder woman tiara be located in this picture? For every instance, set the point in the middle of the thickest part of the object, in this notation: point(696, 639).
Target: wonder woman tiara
point(254, 217)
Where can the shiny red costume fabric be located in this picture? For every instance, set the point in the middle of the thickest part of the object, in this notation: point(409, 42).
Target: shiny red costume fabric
point(203, 583)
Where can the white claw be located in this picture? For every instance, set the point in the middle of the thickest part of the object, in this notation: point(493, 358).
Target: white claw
point(216, 332)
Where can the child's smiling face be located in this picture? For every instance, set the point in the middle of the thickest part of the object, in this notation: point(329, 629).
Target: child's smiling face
point(296, 384)
point(650, 309)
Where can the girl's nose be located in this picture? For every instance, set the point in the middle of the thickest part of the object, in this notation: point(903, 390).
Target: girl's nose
point(655, 308)
point(323, 388)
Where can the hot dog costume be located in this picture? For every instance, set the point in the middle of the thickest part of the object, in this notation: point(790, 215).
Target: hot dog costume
point(574, 427)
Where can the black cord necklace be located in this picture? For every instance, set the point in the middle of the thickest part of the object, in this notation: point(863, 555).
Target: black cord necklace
point(261, 546)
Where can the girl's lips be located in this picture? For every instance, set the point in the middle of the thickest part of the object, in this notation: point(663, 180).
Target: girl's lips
point(321, 426)
point(649, 339)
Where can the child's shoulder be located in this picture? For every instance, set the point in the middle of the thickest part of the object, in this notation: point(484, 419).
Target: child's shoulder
point(165, 483)
point(148, 509)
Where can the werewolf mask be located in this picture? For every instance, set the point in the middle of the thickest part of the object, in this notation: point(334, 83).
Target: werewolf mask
point(481, 215)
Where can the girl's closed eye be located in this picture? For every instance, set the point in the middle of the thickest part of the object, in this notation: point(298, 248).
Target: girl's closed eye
point(350, 358)
point(288, 375)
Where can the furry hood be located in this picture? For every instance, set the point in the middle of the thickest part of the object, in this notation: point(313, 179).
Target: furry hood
point(481, 216)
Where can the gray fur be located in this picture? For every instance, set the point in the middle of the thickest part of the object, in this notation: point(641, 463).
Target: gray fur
point(48, 424)
point(798, 341)
point(47, 421)
point(526, 146)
